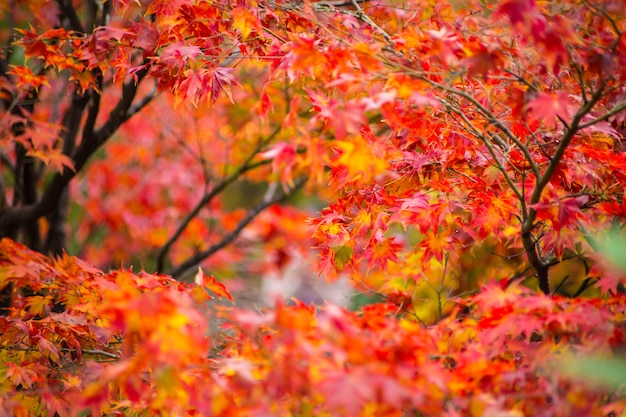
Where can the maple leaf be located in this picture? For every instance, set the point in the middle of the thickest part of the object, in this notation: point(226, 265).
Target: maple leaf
point(39, 305)
point(221, 81)
point(518, 11)
point(26, 77)
point(402, 86)
point(381, 253)
point(480, 60)
point(265, 105)
point(565, 212)
point(84, 78)
point(554, 49)
point(345, 392)
point(610, 280)
point(358, 159)
point(244, 21)
point(35, 45)
point(341, 256)
point(178, 55)
point(283, 156)
point(344, 118)
point(21, 375)
point(48, 349)
point(436, 244)
point(54, 403)
point(492, 296)
point(445, 44)
point(303, 56)
point(550, 108)
point(162, 8)
point(210, 283)
point(55, 159)
point(412, 208)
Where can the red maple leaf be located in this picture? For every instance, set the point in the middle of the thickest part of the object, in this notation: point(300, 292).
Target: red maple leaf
point(550, 108)
point(518, 11)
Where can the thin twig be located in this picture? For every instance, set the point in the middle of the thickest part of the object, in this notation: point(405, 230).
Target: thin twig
point(613, 111)
point(491, 118)
point(364, 17)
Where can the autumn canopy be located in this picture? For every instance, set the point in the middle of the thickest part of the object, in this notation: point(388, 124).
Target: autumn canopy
point(461, 164)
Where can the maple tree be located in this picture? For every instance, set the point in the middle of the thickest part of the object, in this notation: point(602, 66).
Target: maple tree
point(469, 155)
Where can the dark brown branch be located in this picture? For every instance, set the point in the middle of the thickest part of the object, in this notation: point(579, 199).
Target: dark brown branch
point(92, 116)
point(532, 251)
point(68, 10)
point(91, 142)
point(613, 111)
point(4, 160)
point(178, 271)
point(56, 237)
point(206, 199)
point(8, 48)
point(246, 166)
point(4, 203)
point(20, 155)
point(588, 282)
point(72, 120)
point(120, 113)
point(29, 190)
point(26, 175)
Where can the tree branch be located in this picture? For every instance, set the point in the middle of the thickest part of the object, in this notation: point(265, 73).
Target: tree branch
point(246, 166)
point(95, 352)
point(364, 17)
point(574, 128)
point(139, 105)
point(532, 252)
point(482, 137)
point(92, 116)
point(68, 10)
point(91, 141)
point(178, 271)
point(491, 118)
point(616, 109)
point(55, 240)
point(206, 199)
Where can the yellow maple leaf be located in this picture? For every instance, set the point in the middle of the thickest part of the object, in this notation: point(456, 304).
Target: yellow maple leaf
point(357, 157)
point(244, 21)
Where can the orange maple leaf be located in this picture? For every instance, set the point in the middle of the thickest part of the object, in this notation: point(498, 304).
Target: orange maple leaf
point(210, 283)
